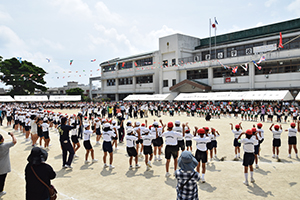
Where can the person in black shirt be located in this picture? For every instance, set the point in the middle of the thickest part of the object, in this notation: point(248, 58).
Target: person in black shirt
point(65, 143)
point(121, 125)
point(35, 190)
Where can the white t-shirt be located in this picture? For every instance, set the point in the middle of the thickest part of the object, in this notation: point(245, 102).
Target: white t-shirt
point(248, 144)
point(201, 142)
point(276, 134)
point(107, 135)
point(147, 139)
point(188, 137)
point(87, 134)
point(171, 137)
point(292, 132)
point(261, 133)
point(153, 132)
point(237, 133)
point(178, 129)
point(130, 140)
point(45, 127)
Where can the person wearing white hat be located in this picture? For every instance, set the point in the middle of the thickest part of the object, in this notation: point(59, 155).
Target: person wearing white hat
point(27, 126)
point(87, 144)
point(147, 141)
point(115, 128)
point(130, 148)
point(107, 147)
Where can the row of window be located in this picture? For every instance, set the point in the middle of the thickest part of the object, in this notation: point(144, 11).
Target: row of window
point(128, 65)
point(144, 62)
point(166, 83)
point(129, 80)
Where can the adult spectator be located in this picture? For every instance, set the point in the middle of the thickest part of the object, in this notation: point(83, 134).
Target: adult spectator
point(35, 189)
point(4, 160)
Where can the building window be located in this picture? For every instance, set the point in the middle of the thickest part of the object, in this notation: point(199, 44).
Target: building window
point(222, 72)
point(109, 68)
point(111, 96)
point(173, 62)
point(144, 62)
point(125, 81)
point(173, 82)
point(125, 65)
point(144, 79)
point(197, 74)
point(165, 83)
point(276, 67)
point(111, 82)
point(165, 63)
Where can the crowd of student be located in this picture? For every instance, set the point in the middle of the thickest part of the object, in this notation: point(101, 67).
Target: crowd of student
point(112, 122)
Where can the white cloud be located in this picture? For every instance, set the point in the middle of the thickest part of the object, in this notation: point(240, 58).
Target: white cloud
point(104, 14)
point(270, 2)
point(9, 40)
point(294, 7)
point(5, 17)
point(76, 8)
point(46, 43)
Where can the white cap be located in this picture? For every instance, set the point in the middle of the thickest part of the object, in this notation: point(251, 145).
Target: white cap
point(130, 130)
point(113, 122)
point(45, 119)
point(146, 130)
point(119, 114)
point(137, 123)
point(128, 122)
point(86, 125)
point(155, 123)
point(103, 120)
point(97, 119)
point(106, 125)
point(177, 122)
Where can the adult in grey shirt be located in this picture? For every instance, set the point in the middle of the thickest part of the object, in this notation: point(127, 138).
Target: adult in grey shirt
point(4, 160)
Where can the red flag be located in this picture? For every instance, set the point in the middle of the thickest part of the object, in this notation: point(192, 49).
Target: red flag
point(123, 64)
point(280, 41)
point(135, 64)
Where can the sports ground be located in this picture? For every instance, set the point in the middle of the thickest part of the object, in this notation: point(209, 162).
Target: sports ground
point(224, 179)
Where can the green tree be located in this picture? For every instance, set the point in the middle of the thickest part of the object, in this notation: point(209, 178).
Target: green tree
point(23, 76)
point(75, 91)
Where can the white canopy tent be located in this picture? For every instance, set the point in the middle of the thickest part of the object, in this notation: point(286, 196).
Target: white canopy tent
point(194, 97)
point(30, 98)
point(298, 97)
point(282, 95)
point(6, 98)
point(147, 97)
point(65, 98)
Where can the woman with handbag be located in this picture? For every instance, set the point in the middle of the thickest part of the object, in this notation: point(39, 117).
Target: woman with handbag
point(38, 175)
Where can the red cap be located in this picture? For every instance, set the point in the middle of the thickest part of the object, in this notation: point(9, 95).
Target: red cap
point(187, 131)
point(201, 131)
point(276, 126)
point(249, 132)
point(293, 124)
point(143, 124)
point(150, 126)
point(170, 124)
point(253, 130)
point(259, 125)
point(237, 126)
point(85, 117)
point(206, 128)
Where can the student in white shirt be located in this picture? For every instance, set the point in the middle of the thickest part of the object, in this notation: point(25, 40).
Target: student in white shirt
point(107, 134)
point(87, 144)
point(261, 132)
point(130, 148)
point(188, 140)
point(256, 134)
point(115, 128)
point(292, 138)
point(276, 139)
point(147, 141)
point(45, 128)
point(97, 130)
point(74, 137)
point(171, 138)
point(249, 157)
point(238, 130)
point(213, 136)
point(201, 152)
point(158, 141)
point(27, 126)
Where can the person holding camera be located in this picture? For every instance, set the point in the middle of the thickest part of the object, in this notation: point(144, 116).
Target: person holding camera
point(4, 160)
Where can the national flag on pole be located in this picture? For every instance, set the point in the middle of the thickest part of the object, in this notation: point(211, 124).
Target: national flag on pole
point(214, 25)
point(71, 61)
point(280, 41)
point(263, 58)
point(93, 60)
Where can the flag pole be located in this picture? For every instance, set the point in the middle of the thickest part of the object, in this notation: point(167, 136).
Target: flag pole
point(215, 40)
point(209, 37)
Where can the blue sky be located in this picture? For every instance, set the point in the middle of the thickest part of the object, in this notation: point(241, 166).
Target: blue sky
point(78, 30)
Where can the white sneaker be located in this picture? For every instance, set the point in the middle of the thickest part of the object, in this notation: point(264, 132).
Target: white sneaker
point(137, 166)
point(273, 156)
point(256, 166)
point(155, 159)
point(246, 183)
point(159, 159)
point(130, 167)
point(276, 157)
point(252, 180)
point(117, 148)
point(168, 174)
point(69, 166)
point(149, 164)
point(216, 157)
point(148, 168)
point(111, 167)
point(94, 160)
point(202, 180)
point(2, 193)
point(289, 156)
point(105, 165)
point(76, 156)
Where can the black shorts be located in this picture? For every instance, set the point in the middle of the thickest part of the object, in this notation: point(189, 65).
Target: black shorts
point(54, 122)
point(171, 150)
point(261, 141)
point(139, 141)
point(248, 159)
point(107, 147)
point(295, 118)
point(131, 151)
point(147, 150)
point(114, 138)
point(201, 156)
point(188, 143)
point(40, 134)
point(180, 145)
point(74, 139)
point(214, 144)
point(256, 149)
point(27, 128)
point(98, 132)
point(276, 142)
point(9, 119)
point(209, 146)
point(158, 142)
point(292, 140)
point(46, 134)
point(23, 124)
point(236, 143)
point(87, 144)
point(17, 121)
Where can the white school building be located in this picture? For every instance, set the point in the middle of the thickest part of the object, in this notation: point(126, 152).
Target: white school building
point(186, 64)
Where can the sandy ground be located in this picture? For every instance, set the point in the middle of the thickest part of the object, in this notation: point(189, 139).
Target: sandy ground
point(274, 180)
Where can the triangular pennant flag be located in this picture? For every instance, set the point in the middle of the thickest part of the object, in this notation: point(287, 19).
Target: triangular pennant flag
point(135, 64)
point(93, 60)
point(71, 61)
point(123, 64)
point(19, 59)
point(263, 58)
point(48, 60)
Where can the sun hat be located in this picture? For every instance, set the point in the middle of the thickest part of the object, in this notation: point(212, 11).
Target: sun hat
point(37, 156)
point(187, 162)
